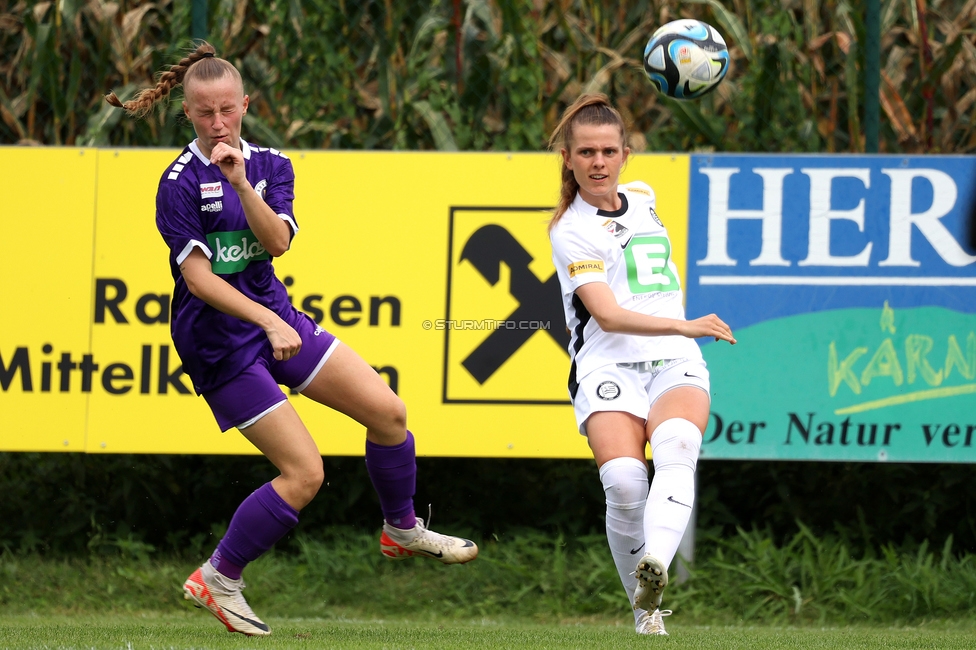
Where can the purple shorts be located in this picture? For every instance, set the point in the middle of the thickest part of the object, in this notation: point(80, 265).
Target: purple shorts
point(256, 392)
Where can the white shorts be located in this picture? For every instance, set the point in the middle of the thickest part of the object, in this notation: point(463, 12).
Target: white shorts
point(634, 387)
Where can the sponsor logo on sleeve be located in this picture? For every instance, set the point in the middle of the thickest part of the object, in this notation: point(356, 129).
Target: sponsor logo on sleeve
point(586, 266)
point(211, 190)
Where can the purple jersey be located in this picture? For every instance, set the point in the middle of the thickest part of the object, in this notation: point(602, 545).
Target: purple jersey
point(196, 207)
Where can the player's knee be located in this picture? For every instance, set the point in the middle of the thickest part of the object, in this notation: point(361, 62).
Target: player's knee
point(398, 414)
point(676, 441)
point(315, 476)
point(390, 422)
point(308, 479)
point(625, 483)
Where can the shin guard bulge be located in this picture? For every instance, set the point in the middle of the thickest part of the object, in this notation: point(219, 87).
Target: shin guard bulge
point(261, 520)
point(674, 447)
point(625, 484)
point(393, 472)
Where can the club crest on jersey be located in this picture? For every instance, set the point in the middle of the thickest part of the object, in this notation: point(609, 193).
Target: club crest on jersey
point(608, 390)
point(211, 190)
point(656, 218)
point(261, 187)
point(616, 229)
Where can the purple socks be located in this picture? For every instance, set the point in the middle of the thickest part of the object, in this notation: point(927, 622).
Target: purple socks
point(261, 520)
point(393, 471)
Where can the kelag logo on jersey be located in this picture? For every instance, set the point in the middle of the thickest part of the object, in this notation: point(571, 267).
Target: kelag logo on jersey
point(853, 296)
point(504, 332)
point(233, 251)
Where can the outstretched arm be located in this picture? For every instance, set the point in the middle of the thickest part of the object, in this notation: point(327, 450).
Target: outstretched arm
point(611, 317)
point(216, 292)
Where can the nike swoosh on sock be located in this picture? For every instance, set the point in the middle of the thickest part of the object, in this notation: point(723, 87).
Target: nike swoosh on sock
point(635, 551)
point(671, 499)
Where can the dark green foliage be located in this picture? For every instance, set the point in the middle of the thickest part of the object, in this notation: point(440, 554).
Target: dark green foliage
point(867, 504)
point(75, 503)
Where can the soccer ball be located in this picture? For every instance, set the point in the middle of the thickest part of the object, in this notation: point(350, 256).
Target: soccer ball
point(686, 59)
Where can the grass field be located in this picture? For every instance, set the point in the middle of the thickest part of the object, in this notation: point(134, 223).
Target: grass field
point(525, 591)
point(198, 630)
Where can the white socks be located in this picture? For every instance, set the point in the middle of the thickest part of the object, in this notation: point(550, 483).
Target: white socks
point(658, 516)
point(674, 448)
point(625, 484)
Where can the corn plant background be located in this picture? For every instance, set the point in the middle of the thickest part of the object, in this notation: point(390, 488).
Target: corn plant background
point(479, 75)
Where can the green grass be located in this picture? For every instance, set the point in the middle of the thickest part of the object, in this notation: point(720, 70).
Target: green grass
point(748, 578)
point(198, 630)
point(527, 591)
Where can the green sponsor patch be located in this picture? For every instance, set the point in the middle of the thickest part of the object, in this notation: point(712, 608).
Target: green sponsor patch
point(234, 250)
point(647, 265)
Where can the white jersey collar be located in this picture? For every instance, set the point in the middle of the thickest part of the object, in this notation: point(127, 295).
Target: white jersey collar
point(195, 148)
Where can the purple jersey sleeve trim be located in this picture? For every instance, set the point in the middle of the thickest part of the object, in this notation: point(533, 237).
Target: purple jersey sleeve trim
point(190, 245)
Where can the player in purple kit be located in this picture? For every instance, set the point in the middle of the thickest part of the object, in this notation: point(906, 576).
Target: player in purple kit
point(224, 208)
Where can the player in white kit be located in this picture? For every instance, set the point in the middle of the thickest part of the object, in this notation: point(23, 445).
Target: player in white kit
point(637, 376)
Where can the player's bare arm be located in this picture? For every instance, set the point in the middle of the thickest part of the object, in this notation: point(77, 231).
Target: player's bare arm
point(217, 293)
point(273, 233)
point(611, 317)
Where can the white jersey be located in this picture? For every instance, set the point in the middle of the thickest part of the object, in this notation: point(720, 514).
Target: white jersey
point(630, 251)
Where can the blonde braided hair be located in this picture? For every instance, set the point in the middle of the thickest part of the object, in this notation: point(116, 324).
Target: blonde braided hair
point(201, 64)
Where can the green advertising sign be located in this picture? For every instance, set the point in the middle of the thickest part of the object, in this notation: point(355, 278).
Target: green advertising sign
point(852, 384)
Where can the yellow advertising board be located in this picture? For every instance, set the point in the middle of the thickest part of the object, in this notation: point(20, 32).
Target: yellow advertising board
point(45, 349)
point(143, 404)
point(434, 267)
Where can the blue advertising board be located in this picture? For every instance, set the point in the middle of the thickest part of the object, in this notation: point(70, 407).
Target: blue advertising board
point(852, 293)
